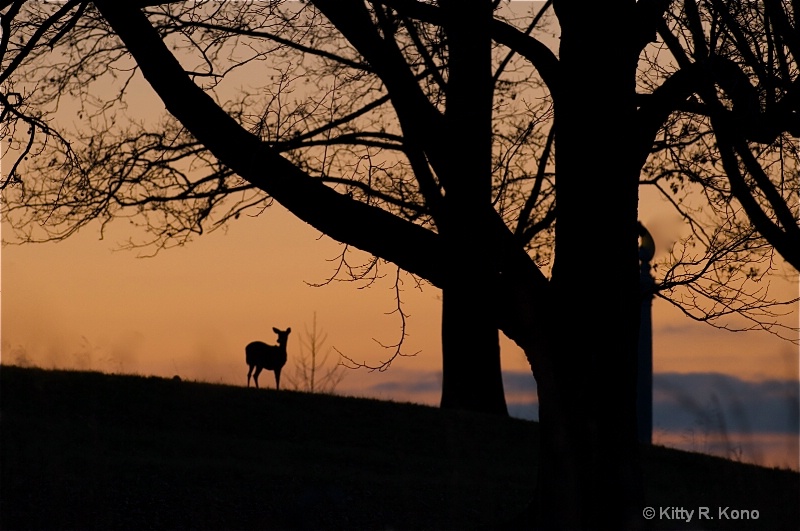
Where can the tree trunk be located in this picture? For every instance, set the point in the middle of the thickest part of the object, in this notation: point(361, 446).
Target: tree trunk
point(471, 372)
point(589, 475)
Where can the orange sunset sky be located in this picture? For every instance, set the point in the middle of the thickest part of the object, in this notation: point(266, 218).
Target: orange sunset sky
point(191, 310)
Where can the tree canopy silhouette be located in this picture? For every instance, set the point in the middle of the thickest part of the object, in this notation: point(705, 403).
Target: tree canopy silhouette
point(445, 139)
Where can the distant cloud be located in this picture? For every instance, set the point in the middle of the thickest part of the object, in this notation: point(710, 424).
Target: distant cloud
point(408, 383)
point(425, 382)
point(710, 403)
point(426, 387)
point(519, 382)
point(522, 410)
point(753, 421)
point(521, 397)
point(720, 403)
point(713, 403)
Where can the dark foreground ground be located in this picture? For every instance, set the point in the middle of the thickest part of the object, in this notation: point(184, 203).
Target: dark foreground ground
point(84, 450)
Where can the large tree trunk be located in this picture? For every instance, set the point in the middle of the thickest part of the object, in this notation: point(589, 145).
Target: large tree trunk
point(589, 450)
point(471, 373)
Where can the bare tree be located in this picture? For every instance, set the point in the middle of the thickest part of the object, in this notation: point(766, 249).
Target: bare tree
point(444, 139)
point(727, 157)
point(312, 370)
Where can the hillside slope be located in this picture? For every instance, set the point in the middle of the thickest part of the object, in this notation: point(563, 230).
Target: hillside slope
point(87, 450)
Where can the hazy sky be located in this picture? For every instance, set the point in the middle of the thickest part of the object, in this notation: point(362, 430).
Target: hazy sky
point(191, 310)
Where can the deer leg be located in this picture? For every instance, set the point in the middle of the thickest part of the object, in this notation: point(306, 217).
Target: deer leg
point(255, 376)
point(278, 378)
point(249, 372)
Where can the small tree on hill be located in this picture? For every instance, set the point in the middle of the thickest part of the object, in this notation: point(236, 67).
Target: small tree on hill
point(312, 370)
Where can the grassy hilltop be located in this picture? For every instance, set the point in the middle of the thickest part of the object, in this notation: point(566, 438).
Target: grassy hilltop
point(86, 450)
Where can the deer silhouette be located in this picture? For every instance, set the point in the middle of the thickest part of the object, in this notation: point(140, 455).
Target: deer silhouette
point(261, 356)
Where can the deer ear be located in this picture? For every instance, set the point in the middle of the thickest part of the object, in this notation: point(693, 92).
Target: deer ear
point(276, 330)
point(288, 330)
